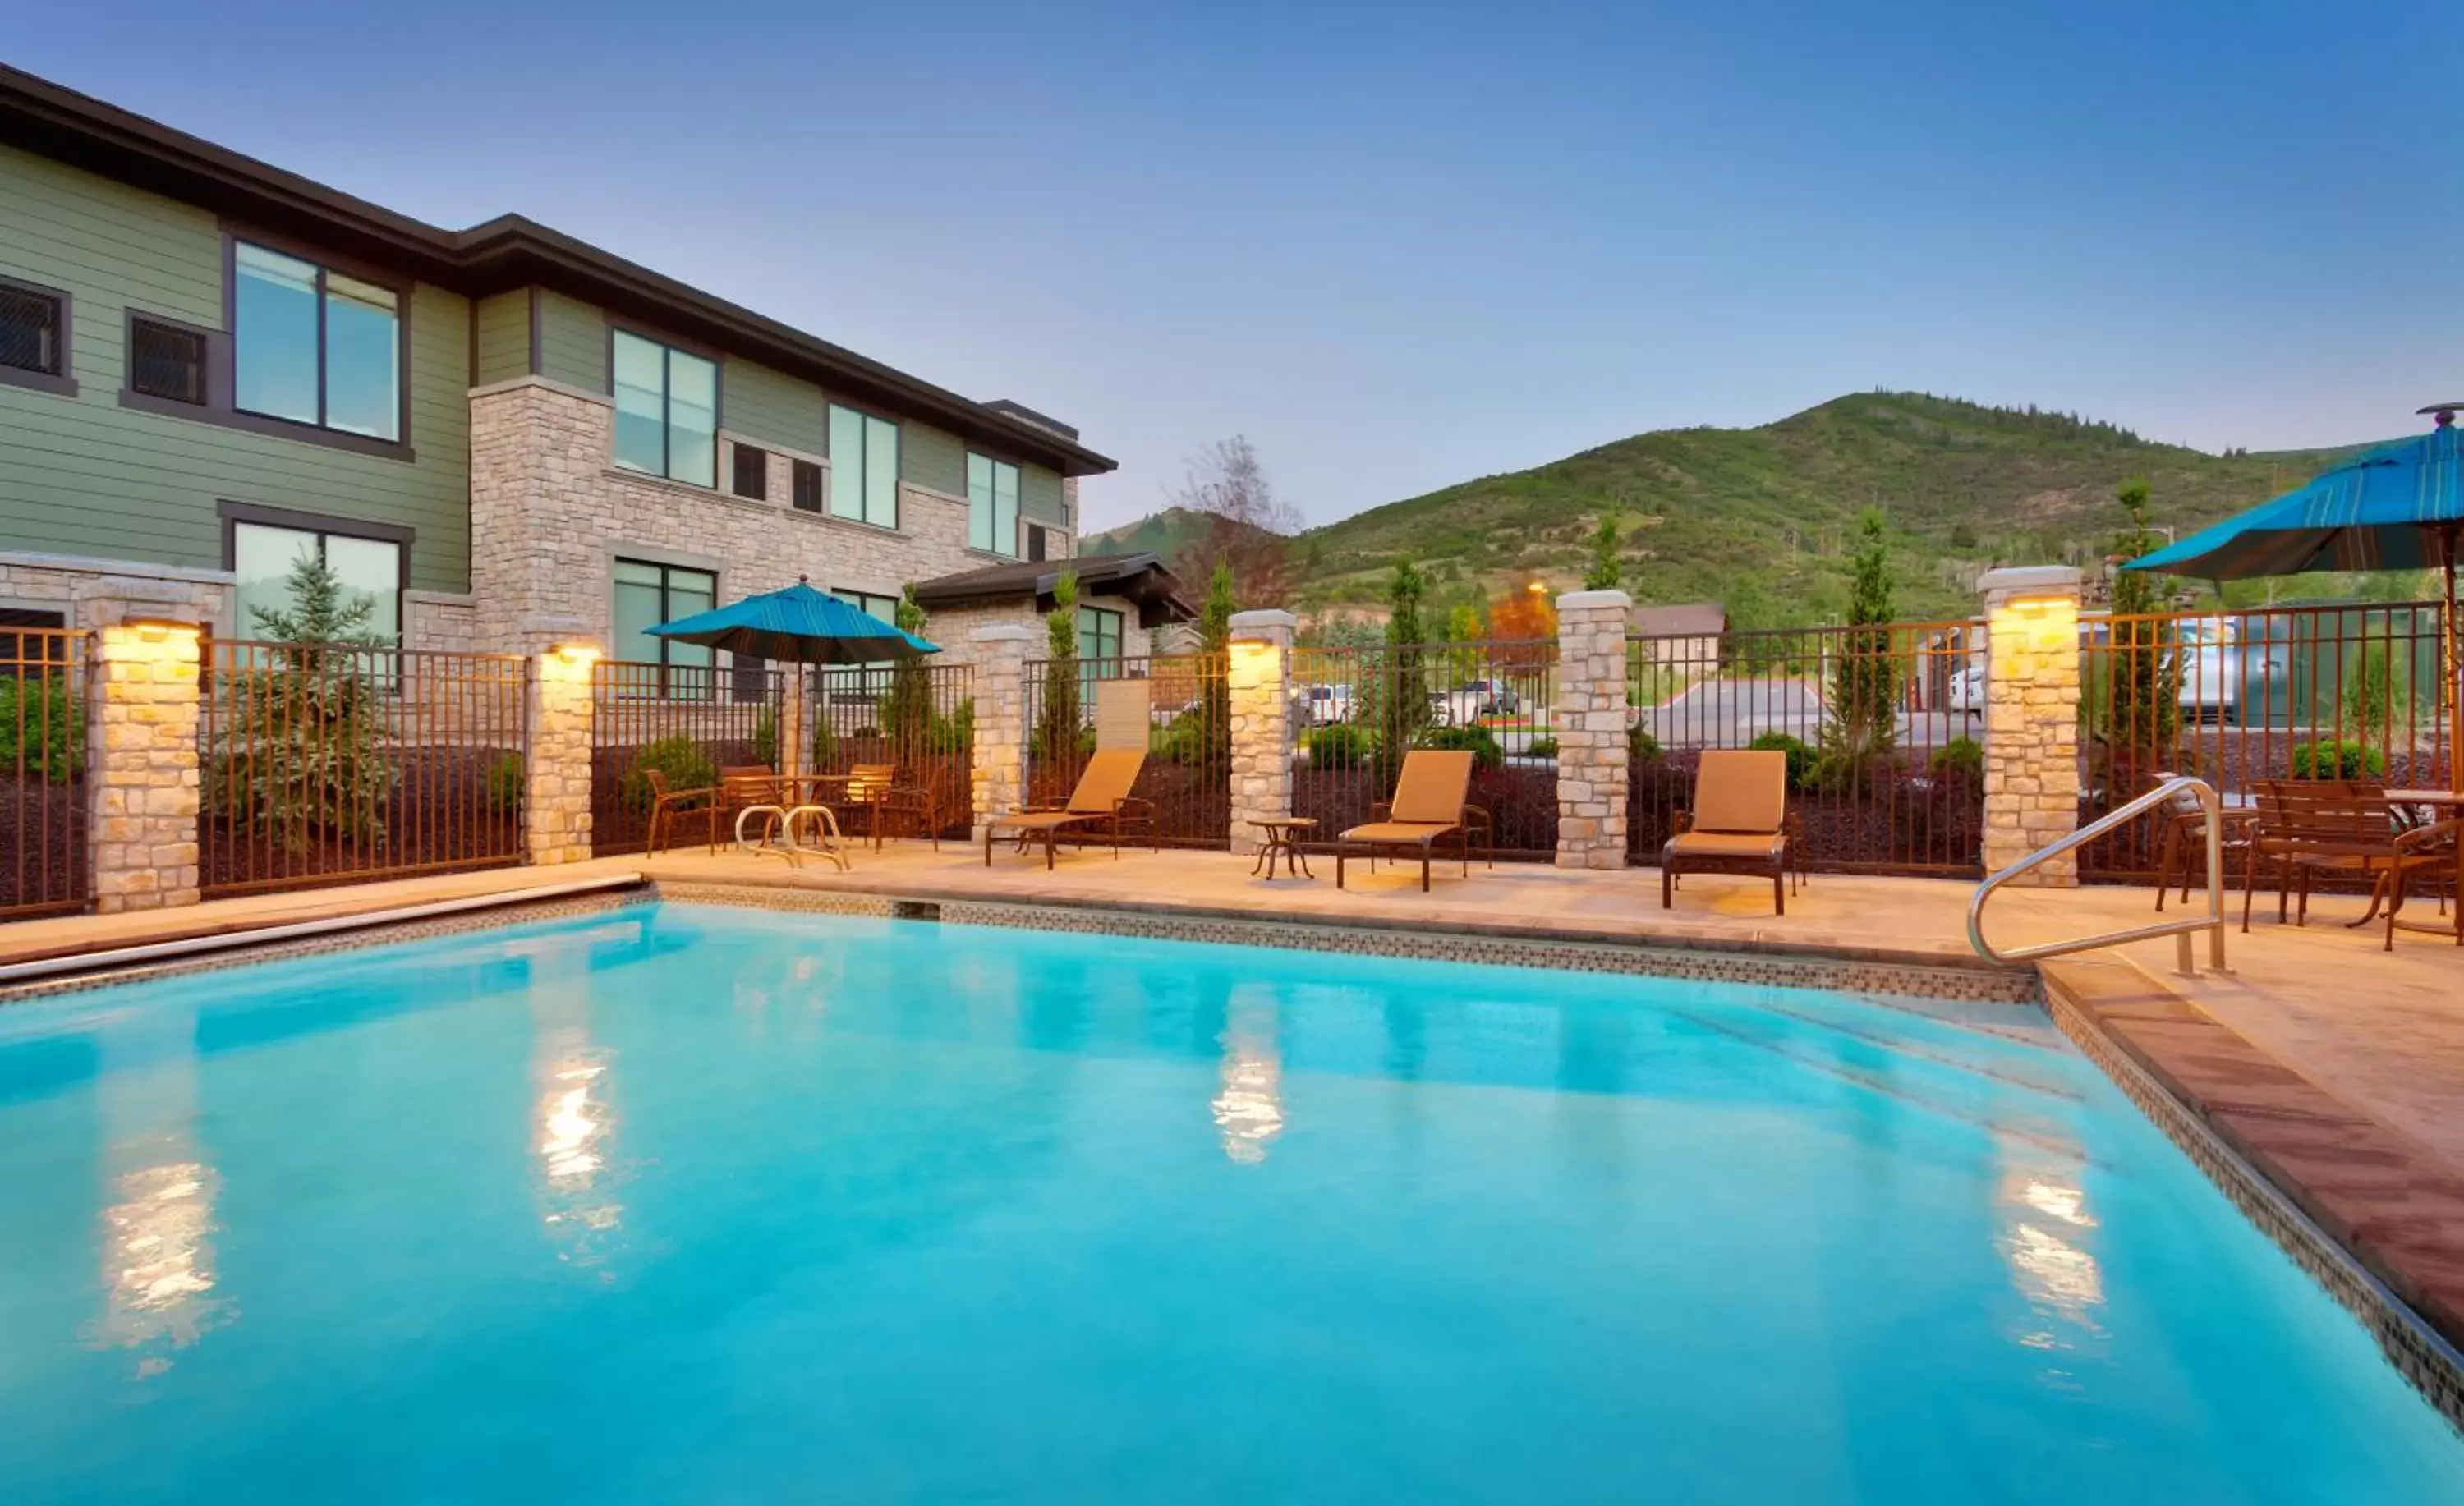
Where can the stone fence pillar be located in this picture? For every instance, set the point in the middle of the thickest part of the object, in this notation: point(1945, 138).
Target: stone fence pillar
point(1000, 774)
point(1590, 728)
point(2031, 697)
point(1260, 693)
point(556, 804)
point(141, 769)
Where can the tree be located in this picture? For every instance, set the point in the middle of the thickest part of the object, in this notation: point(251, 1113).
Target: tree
point(1056, 727)
point(1215, 654)
point(906, 710)
point(1860, 725)
point(301, 755)
point(1247, 526)
point(1607, 571)
point(1528, 620)
point(2141, 707)
point(1404, 699)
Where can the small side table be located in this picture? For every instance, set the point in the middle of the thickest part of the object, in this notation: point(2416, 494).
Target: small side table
point(1284, 836)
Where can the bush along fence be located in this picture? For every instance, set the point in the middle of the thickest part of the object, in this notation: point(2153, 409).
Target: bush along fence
point(44, 710)
point(916, 719)
point(683, 723)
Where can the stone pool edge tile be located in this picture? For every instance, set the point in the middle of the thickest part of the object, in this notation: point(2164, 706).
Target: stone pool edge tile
point(2095, 1003)
point(1879, 980)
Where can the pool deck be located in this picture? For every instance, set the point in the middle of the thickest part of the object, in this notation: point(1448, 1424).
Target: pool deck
point(2334, 1068)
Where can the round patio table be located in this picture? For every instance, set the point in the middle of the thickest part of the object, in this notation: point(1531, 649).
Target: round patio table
point(1283, 836)
point(2408, 805)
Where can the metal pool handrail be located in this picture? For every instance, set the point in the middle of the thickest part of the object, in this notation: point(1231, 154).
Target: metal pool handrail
point(2209, 802)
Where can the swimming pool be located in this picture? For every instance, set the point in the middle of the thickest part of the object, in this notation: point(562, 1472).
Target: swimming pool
point(683, 1203)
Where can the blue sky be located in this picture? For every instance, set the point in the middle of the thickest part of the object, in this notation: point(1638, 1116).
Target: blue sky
point(1400, 247)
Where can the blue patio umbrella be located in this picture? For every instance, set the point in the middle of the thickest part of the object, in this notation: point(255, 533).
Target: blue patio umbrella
point(2394, 506)
point(797, 625)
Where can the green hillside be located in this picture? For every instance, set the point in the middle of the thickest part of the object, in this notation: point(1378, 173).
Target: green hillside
point(1166, 532)
point(1757, 518)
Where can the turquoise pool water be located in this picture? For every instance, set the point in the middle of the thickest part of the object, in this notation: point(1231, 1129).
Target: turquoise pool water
point(678, 1204)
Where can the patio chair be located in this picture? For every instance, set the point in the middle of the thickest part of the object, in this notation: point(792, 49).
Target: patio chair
point(1428, 807)
point(875, 788)
point(1101, 799)
point(2182, 839)
point(2342, 827)
point(1739, 822)
point(671, 808)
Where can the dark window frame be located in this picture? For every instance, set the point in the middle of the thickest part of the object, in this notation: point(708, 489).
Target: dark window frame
point(738, 453)
point(63, 382)
point(804, 480)
point(229, 514)
point(838, 473)
point(130, 318)
point(325, 261)
point(1018, 519)
point(1119, 633)
point(669, 346)
point(667, 614)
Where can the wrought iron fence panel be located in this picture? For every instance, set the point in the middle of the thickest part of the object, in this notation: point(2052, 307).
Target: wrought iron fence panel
point(917, 718)
point(2346, 690)
point(1188, 772)
point(45, 703)
point(688, 722)
point(334, 763)
point(1355, 710)
point(1883, 728)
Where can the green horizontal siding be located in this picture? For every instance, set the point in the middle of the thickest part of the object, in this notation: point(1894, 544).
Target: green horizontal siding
point(573, 342)
point(931, 459)
point(504, 327)
point(1039, 495)
point(84, 476)
point(768, 408)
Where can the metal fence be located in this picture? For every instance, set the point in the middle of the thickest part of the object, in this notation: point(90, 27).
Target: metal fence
point(1188, 772)
point(916, 717)
point(333, 764)
point(44, 705)
point(1355, 710)
point(686, 721)
point(1883, 728)
point(2293, 692)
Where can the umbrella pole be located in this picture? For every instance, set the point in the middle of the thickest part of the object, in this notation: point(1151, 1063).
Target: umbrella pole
point(2448, 665)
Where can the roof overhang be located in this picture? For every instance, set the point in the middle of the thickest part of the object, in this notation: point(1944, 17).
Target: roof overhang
point(506, 252)
point(1142, 579)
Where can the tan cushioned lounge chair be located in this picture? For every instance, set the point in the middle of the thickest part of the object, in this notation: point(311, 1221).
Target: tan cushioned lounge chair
point(1101, 798)
point(1739, 822)
point(1428, 806)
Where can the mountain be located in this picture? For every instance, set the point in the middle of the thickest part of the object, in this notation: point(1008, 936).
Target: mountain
point(1168, 532)
point(1757, 517)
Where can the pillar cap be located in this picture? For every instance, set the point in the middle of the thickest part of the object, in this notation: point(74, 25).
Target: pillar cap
point(1001, 633)
point(2031, 577)
point(1577, 601)
point(1262, 622)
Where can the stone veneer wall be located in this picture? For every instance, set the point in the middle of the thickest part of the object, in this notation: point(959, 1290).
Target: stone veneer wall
point(1591, 727)
point(141, 774)
point(2032, 696)
point(550, 512)
point(1259, 685)
point(59, 583)
point(954, 629)
point(1000, 771)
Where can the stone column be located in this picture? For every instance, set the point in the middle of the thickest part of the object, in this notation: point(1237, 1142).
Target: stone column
point(141, 770)
point(999, 775)
point(1260, 676)
point(556, 804)
point(2032, 696)
point(1590, 728)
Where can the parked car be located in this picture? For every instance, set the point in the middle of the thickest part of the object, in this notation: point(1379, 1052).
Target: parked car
point(2215, 668)
point(1966, 691)
point(1493, 697)
point(1327, 704)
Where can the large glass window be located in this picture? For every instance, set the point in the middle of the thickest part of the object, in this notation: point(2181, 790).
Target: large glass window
point(314, 347)
point(368, 569)
point(883, 608)
point(667, 411)
point(992, 505)
point(864, 467)
point(1099, 633)
point(647, 595)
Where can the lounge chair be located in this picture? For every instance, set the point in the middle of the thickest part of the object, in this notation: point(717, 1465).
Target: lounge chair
point(1429, 806)
point(1101, 799)
point(1739, 822)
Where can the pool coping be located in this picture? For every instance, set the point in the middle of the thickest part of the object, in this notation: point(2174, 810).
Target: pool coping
point(2117, 1016)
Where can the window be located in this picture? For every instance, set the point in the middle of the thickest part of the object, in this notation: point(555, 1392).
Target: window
point(864, 467)
point(805, 490)
point(167, 360)
point(33, 329)
point(1035, 543)
point(314, 346)
point(45, 651)
point(1099, 633)
point(647, 595)
point(752, 473)
point(262, 555)
point(992, 505)
point(666, 410)
point(885, 607)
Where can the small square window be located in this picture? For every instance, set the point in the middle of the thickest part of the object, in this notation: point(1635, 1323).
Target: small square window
point(807, 487)
point(165, 361)
point(29, 331)
point(752, 473)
